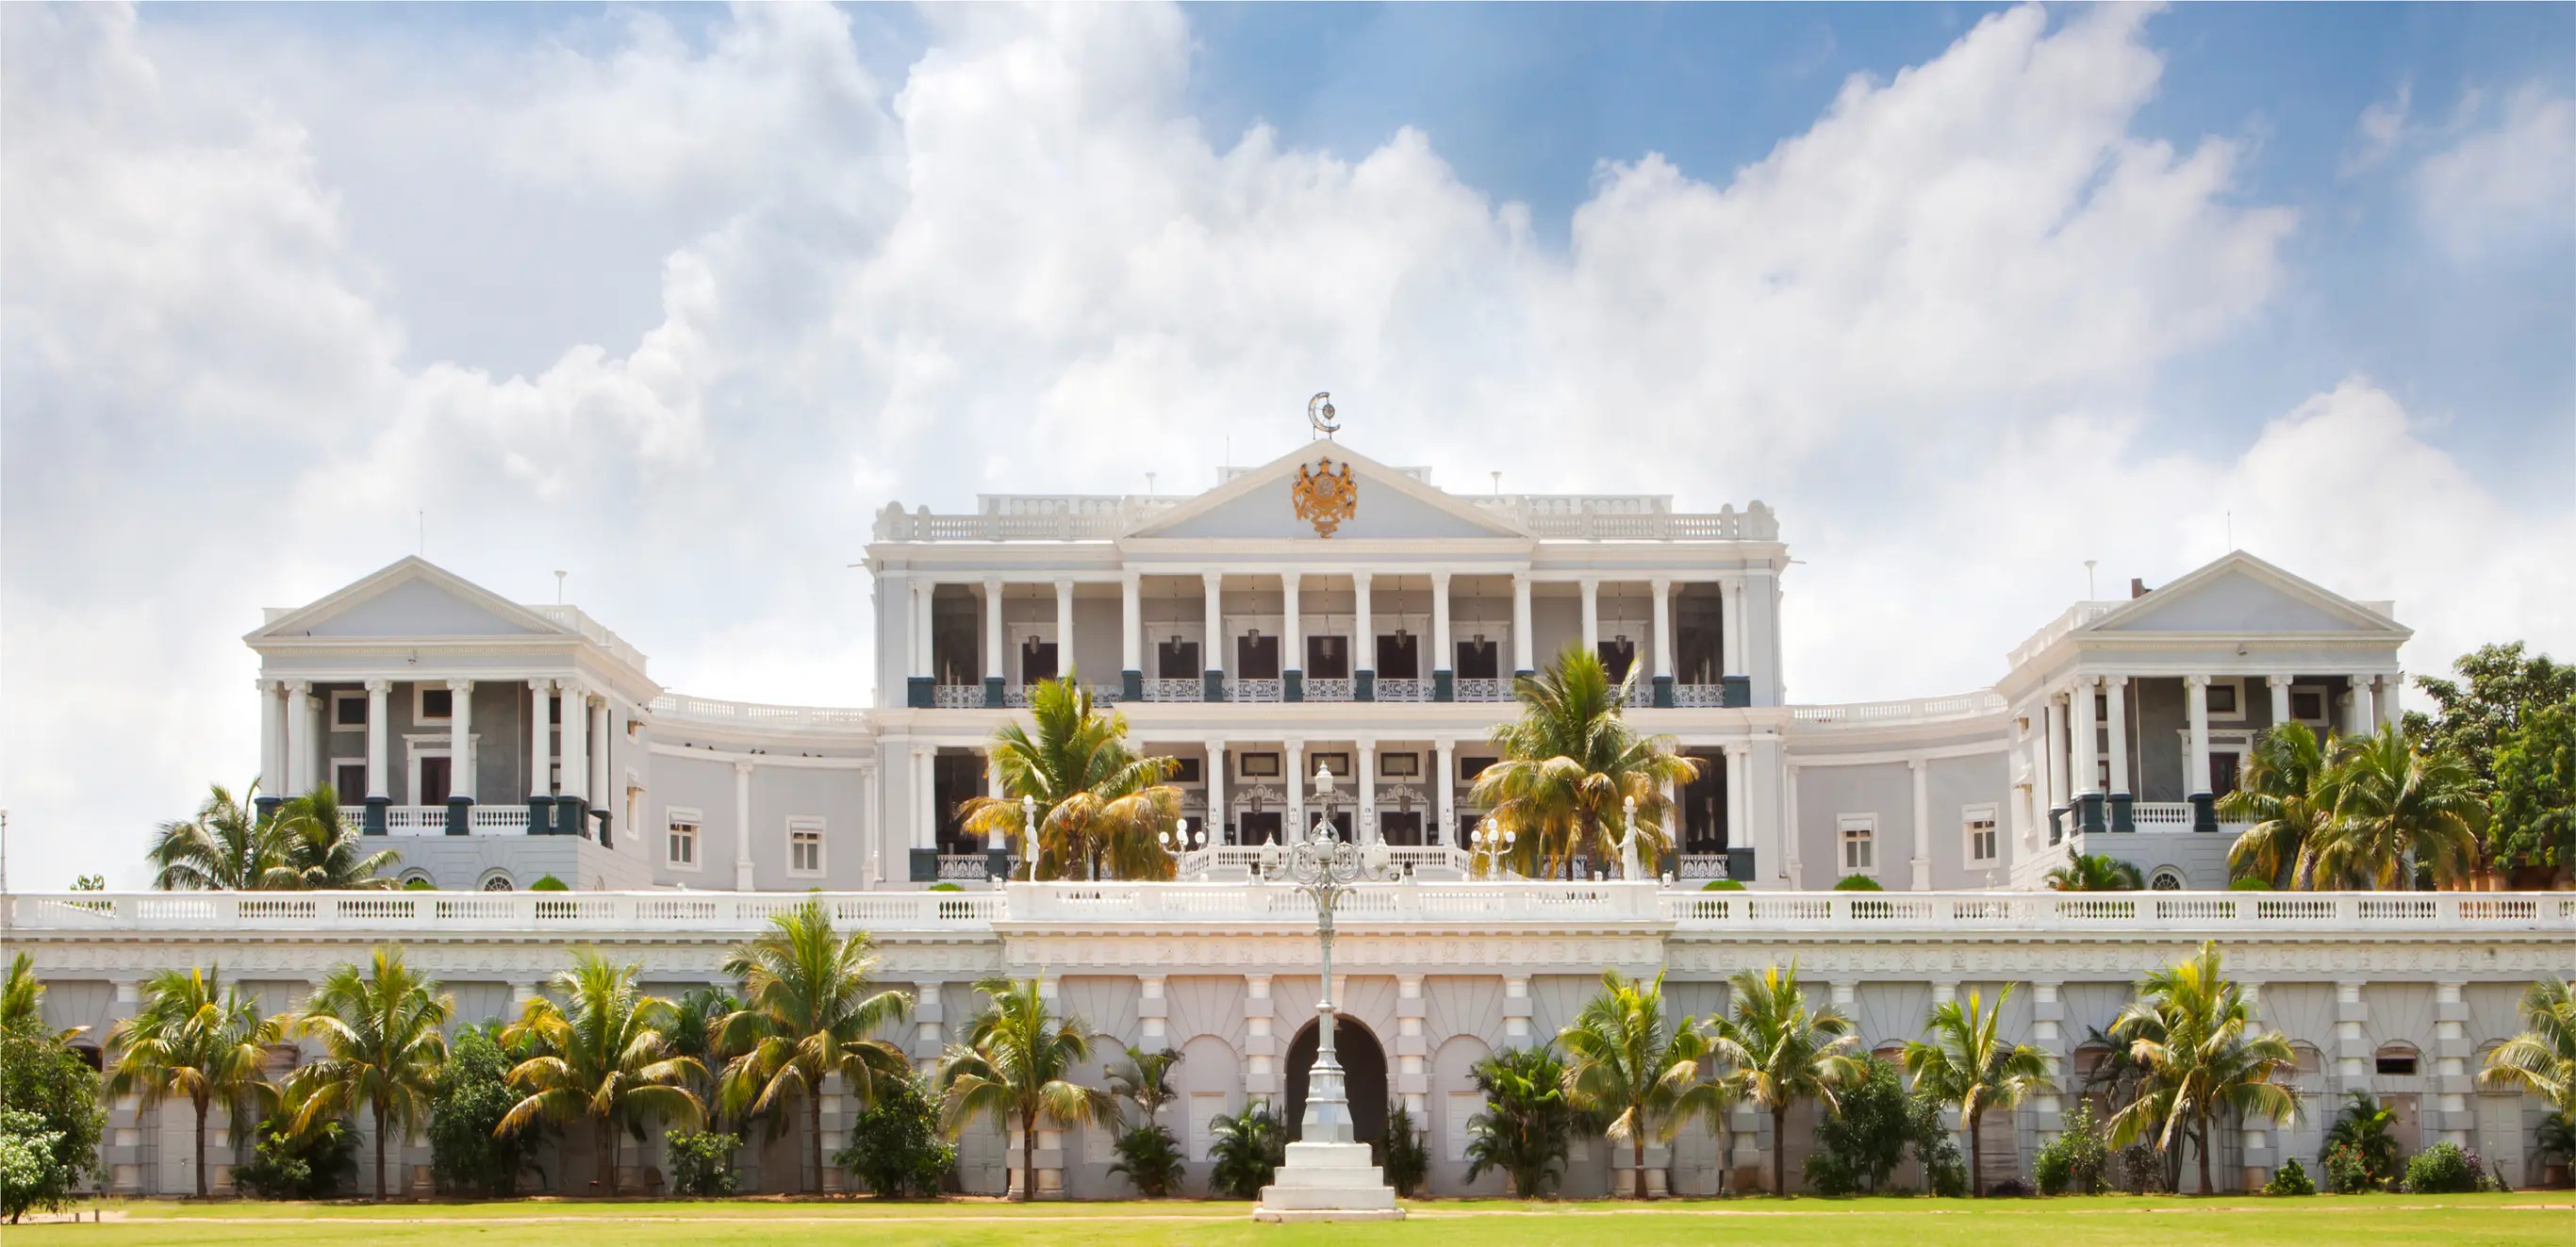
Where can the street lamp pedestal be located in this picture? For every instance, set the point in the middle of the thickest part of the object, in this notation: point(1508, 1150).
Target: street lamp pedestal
point(1328, 1182)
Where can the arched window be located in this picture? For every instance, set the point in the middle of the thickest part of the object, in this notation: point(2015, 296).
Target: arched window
point(2398, 1060)
point(2166, 879)
point(496, 881)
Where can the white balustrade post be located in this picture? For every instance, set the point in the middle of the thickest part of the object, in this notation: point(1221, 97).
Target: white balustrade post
point(1524, 645)
point(461, 771)
point(379, 739)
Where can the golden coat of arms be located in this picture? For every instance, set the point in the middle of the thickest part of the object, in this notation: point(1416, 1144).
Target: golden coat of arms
point(1325, 495)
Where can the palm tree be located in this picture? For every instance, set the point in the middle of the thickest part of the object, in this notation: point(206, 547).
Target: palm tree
point(1523, 1126)
point(1098, 803)
point(2194, 1035)
point(1146, 1082)
point(22, 999)
point(1968, 1064)
point(1783, 1053)
point(603, 1055)
point(697, 1032)
point(2095, 872)
point(2543, 1058)
point(229, 846)
point(809, 1012)
point(197, 1039)
point(1624, 1068)
point(1015, 1068)
point(319, 851)
point(2394, 803)
point(2369, 1128)
point(2288, 793)
point(1570, 764)
point(381, 1035)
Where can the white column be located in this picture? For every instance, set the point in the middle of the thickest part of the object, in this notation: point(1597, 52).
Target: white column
point(379, 740)
point(1444, 791)
point(1214, 658)
point(1739, 779)
point(920, 629)
point(2450, 1063)
point(1131, 617)
point(1297, 781)
point(1063, 629)
point(742, 869)
point(1363, 627)
point(1410, 1044)
point(2389, 689)
point(1591, 614)
point(601, 793)
point(299, 738)
point(1443, 656)
point(1364, 823)
point(1730, 625)
point(1516, 1010)
point(462, 774)
point(1292, 625)
point(996, 661)
point(925, 798)
point(2115, 702)
point(2195, 762)
point(1922, 863)
point(1214, 770)
point(540, 744)
point(576, 741)
point(2251, 1127)
point(1262, 1059)
point(1663, 590)
point(1792, 870)
point(2044, 1035)
point(272, 739)
point(2054, 752)
point(1523, 644)
point(2280, 698)
point(2356, 707)
point(2088, 772)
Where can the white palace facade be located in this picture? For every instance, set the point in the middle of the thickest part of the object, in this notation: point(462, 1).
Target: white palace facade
point(1327, 611)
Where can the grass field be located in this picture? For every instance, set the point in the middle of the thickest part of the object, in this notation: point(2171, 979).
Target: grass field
point(2451, 1221)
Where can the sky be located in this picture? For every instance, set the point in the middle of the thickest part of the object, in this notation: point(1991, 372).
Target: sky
point(674, 299)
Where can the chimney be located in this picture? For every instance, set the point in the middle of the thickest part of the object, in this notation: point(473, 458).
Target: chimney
point(2137, 588)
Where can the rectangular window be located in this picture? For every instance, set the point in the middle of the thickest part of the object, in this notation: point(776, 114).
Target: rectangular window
point(1469, 768)
point(1479, 659)
point(1256, 657)
point(1259, 765)
point(1860, 843)
point(1399, 765)
point(2224, 771)
point(1399, 657)
point(682, 850)
point(349, 780)
point(1980, 823)
point(1338, 765)
point(1177, 659)
point(432, 704)
point(2398, 1065)
point(1328, 657)
point(2224, 700)
point(804, 846)
point(1187, 772)
point(348, 710)
point(2308, 705)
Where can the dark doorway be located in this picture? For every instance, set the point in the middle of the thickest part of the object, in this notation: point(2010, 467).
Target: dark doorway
point(954, 779)
point(1363, 1077)
point(1256, 657)
point(1696, 636)
point(2224, 771)
point(1402, 827)
point(1257, 828)
point(1177, 659)
point(433, 782)
point(1617, 655)
point(1478, 659)
point(1703, 800)
point(1037, 660)
point(1328, 657)
point(1399, 657)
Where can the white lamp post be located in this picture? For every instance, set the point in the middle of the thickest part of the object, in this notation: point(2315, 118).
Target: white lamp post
point(1489, 842)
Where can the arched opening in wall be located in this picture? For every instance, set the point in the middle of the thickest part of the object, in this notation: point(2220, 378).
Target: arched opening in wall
point(90, 1056)
point(495, 881)
point(1363, 1077)
point(2166, 879)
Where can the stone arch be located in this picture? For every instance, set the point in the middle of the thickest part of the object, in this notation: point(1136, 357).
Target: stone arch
point(1453, 1102)
point(496, 880)
point(1364, 1077)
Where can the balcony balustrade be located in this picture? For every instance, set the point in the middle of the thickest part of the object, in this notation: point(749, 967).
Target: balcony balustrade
point(1403, 690)
point(1482, 690)
point(1251, 690)
point(1329, 689)
point(2127, 915)
point(957, 696)
point(431, 820)
point(1174, 690)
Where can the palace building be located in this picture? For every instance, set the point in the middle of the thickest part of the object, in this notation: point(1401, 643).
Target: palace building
point(1328, 612)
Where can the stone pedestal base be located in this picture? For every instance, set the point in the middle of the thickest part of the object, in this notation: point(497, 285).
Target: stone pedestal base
point(1328, 1182)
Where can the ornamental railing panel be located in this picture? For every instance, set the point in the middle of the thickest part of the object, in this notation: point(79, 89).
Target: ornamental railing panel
point(1480, 690)
point(1403, 690)
point(1329, 688)
point(957, 696)
point(1174, 690)
point(1251, 690)
point(1699, 696)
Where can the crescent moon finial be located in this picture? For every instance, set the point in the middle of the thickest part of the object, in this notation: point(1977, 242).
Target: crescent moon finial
point(1319, 413)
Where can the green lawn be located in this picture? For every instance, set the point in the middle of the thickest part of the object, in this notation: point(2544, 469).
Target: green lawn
point(2545, 1217)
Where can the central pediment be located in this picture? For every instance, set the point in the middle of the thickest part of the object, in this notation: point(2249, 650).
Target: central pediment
point(1350, 496)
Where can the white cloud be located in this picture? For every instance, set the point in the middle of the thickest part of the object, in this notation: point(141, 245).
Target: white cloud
point(2376, 135)
point(2505, 184)
point(1925, 328)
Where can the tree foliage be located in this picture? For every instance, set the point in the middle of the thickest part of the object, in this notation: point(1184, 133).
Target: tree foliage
point(469, 1152)
point(1246, 1151)
point(1782, 1052)
point(895, 1146)
point(2075, 1162)
point(2534, 801)
point(52, 1097)
point(2095, 872)
point(2541, 1059)
point(811, 1010)
point(2193, 1034)
point(1966, 1062)
point(1862, 1141)
point(2366, 1131)
point(1407, 1162)
point(1571, 762)
point(1016, 1068)
point(198, 1040)
point(2488, 714)
point(701, 1162)
point(292, 1162)
point(1627, 1069)
point(1527, 1118)
point(600, 1058)
point(1100, 806)
point(382, 1045)
point(2396, 805)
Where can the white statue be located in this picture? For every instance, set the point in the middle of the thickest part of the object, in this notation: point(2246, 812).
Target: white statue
point(1628, 867)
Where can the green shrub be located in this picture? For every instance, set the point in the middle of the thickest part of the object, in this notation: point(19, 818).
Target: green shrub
point(895, 1144)
point(2290, 1179)
point(1523, 1130)
point(2076, 1161)
point(473, 1093)
point(701, 1163)
point(43, 1080)
point(1248, 1150)
point(2443, 1169)
point(1151, 1160)
point(1722, 885)
point(2348, 1171)
point(2250, 883)
point(1863, 1139)
point(1407, 1162)
point(945, 886)
point(32, 1173)
point(2143, 1170)
point(416, 884)
point(1944, 1170)
point(1858, 883)
point(549, 884)
point(287, 1164)
point(2369, 1128)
